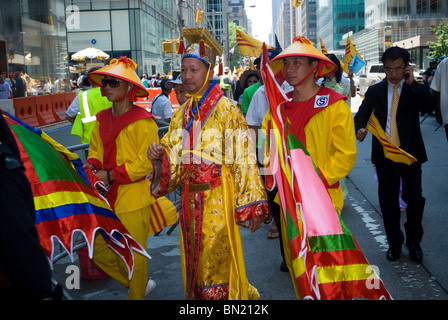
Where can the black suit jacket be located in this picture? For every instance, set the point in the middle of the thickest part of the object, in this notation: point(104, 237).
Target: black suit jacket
point(413, 99)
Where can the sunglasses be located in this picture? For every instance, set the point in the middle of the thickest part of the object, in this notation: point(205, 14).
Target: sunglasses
point(113, 83)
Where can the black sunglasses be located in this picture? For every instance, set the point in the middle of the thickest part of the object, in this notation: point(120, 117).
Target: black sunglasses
point(113, 83)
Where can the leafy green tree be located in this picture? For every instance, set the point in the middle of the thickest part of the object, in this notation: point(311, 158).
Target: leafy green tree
point(439, 48)
point(235, 61)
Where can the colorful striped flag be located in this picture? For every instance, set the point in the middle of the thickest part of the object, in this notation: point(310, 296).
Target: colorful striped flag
point(391, 151)
point(65, 199)
point(322, 255)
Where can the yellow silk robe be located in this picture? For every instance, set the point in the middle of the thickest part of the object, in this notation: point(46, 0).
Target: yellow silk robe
point(212, 158)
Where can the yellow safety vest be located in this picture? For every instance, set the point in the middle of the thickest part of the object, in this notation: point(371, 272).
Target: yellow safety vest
point(90, 103)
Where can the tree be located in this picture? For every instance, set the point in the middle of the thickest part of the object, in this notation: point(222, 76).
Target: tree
point(236, 56)
point(439, 48)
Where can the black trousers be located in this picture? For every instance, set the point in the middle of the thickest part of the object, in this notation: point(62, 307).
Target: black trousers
point(389, 174)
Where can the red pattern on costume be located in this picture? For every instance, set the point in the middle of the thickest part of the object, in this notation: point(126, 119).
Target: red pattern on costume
point(220, 292)
point(251, 211)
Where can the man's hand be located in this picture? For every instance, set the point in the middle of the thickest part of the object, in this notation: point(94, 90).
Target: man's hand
point(410, 71)
point(361, 134)
point(155, 152)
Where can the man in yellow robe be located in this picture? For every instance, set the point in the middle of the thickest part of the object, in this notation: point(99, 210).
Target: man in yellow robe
point(209, 153)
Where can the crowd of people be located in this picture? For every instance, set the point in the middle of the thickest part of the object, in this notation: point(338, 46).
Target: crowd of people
point(221, 186)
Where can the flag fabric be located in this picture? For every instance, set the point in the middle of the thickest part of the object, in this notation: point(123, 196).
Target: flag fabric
point(65, 198)
point(322, 47)
point(277, 45)
point(391, 151)
point(248, 45)
point(323, 257)
point(357, 64)
point(350, 52)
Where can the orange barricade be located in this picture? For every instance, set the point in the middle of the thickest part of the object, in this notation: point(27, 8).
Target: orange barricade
point(44, 110)
point(145, 103)
point(59, 105)
point(25, 109)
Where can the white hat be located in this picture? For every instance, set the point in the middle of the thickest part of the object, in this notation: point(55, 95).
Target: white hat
point(170, 84)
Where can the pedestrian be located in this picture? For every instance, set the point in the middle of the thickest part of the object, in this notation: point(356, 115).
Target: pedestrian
point(117, 154)
point(24, 269)
point(161, 104)
point(145, 81)
point(320, 116)
point(429, 73)
point(5, 87)
point(20, 85)
point(339, 83)
point(247, 79)
point(226, 83)
point(84, 107)
point(248, 94)
point(396, 102)
point(178, 89)
point(256, 112)
point(208, 153)
point(439, 85)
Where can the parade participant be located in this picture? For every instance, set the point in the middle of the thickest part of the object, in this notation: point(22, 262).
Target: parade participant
point(209, 153)
point(117, 154)
point(84, 107)
point(320, 116)
point(396, 102)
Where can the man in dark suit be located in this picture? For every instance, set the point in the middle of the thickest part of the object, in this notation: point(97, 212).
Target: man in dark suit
point(397, 101)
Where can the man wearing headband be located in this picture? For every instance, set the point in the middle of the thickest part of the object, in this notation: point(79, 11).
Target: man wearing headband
point(209, 153)
point(117, 154)
point(320, 116)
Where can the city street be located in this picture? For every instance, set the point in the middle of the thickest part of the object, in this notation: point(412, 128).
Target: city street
point(405, 279)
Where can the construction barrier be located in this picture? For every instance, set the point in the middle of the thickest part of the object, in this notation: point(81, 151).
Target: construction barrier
point(59, 103)
point(44, 110)
point(25, 110)
point(145, 103)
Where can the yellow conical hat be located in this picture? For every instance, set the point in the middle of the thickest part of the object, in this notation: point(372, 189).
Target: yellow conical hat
point(302, 47)
point(122, 68)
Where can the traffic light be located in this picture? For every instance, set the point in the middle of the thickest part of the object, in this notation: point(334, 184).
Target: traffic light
point(199, 14)
point(296, 3)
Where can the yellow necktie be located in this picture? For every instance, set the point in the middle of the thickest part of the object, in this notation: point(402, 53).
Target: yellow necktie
point(394, 137)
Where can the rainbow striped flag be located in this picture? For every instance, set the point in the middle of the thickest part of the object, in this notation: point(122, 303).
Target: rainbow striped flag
point(65, 198)
point(391, 151)
point(323, 257)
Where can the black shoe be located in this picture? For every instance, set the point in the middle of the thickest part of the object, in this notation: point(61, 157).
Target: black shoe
point(283, 267)
point(416, 253)
point(393, 254)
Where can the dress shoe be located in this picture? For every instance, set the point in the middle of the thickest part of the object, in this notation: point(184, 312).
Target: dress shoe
point(393, 254)
point(283, 267)
point(416, 253)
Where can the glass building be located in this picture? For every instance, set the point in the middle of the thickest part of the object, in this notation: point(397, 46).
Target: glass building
point(133, 28)
point(336, 18)
point(405, 20)
point(33, 40)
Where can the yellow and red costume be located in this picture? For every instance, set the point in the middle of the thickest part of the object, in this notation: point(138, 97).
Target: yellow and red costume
point(119, 143)
point(209, 153)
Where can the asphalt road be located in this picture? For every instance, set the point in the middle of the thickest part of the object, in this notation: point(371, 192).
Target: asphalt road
point(405, 279)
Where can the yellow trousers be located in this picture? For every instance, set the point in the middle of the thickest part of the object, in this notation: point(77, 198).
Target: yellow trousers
point(138, 224)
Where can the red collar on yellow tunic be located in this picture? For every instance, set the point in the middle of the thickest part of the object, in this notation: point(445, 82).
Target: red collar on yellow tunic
point(299, 113)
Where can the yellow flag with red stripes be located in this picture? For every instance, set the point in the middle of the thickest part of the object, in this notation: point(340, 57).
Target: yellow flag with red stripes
point(391, 151)
point(248, 45)
point(322, 47)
